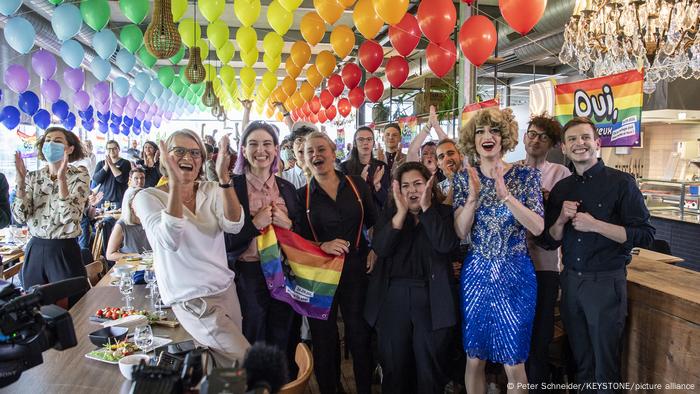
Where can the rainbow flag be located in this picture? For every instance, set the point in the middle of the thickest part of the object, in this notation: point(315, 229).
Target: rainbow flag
point(613, 103)
point(470, 109)
point(409, 130)
point(311, 283)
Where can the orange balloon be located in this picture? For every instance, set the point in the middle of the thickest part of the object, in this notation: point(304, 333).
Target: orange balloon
point(289, 104)
point(279, 116)
point(346, 3)
point(306, 91)
point(329, 10)
point(292, 69)
point(300, 53)
point(312, 28)
point(313, 76)
point(391, 11)
point(325, 63)
point(366, 19)
point(342, 40)
point(297, 99)
point(288, 85)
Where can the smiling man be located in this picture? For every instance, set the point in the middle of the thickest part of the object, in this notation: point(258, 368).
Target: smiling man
point(449, 160)
point(597, 215)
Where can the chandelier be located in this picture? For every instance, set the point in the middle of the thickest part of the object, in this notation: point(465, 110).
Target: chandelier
point(605, 37)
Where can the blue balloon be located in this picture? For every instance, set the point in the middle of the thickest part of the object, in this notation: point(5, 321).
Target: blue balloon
point(116, 119)
point(66, 21)
point(42, 119)
point(121, 85)
point(89, 112)
point(127, 121)
point(9, 7)
point(146, 125)
point(102, 126)
point(100, 68)
point(20, 34)
point(0, 94)
point(138, 95)
point(10, 117)
point(69, 121)
point(60, 109)
point(142, 81)
point(124, 129)
point(88, 125)
point(125, 61)
point(114, 128)
point(105, 43)
point(28, 102)
point(104, 117)
point(137, 123)
point(72, 53)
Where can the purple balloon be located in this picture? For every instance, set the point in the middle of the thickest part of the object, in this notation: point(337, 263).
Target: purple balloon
point(102, 107)
point(81, 100)
point(117, 110)
point(74, 78)
point(144, 107)
point(50, 90)
point(17, 78)
point(44, 63)
point(101, 92)
point(120, 101)
point(168, 115)
point(130, 112)
point(131, 103)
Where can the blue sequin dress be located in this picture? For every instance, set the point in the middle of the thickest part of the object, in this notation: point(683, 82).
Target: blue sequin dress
point(498, 285)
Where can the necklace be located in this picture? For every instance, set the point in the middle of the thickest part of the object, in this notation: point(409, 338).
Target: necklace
point(190, 200)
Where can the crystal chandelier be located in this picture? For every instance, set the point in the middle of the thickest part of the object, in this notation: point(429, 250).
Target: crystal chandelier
point(610, 36)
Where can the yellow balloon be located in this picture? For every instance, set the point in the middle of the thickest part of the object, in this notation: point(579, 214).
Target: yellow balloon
point(289, 104)
point(211, 9)
point(312, 28)
point(216, 83)
point(313, 76)
point(269, 112)
point(342, 40)
point(273, 43)
point(290, 5)
point(300, 53)
point(306, 91)
point(288, 85)
point(292, 69)
point(249, 58)
point(225, 53)
point(279, 18)
point(218, 33)
point(247, 91)
point(247, 76)
point(298, 100)
point(178, 8)
point(247, 11)
point(329, 10)
point(203, 48)
point(366, 19)
point(227, 74)
point(279, 117)
point(247, 38)
point(391, 11)
point(346, 3)
point(272, 62)
point(325, 63)
point(190, 32)
point(209, 72)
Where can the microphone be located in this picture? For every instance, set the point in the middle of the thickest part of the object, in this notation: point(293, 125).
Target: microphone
point(265, 367)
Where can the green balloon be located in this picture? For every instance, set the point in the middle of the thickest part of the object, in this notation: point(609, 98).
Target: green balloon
point(178, 56)
point(183, 79)
point(55, 2)
point(166, 75)
point(189, 95)
point(147, 59)
point(135, 10)
point(95, 13)
point(198, 89)
point(177, 87)
point(131, 37)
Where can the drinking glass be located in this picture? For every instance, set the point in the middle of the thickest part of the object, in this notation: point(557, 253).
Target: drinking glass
point(157, 302)
point(143, 338)
point(15, 233)
point(126, 287)
point(105, 206)
point(150, 277)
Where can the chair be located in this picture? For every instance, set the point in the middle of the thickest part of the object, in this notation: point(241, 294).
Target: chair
point(305, 362)
point(98, 241)
point(94, 272)
point(661, 246)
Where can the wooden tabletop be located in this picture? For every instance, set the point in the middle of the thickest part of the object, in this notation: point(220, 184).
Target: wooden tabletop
point(69, 371)
point(664, 258)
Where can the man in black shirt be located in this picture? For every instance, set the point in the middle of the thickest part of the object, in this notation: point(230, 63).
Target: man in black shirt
point(112, 174)
point(597, 215)
point(5, 215)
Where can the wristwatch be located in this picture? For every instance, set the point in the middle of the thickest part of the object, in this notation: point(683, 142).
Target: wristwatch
point(225, 185)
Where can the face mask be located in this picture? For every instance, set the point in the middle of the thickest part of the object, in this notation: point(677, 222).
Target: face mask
point(287, 154)
point(53, 151)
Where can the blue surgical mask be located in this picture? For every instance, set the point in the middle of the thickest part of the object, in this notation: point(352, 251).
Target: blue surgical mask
point(53, 151)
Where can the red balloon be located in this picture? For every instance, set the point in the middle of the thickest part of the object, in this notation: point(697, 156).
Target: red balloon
point(326, 99)
point(344, 107)
point(315, 104)
point(397, 71)
point(477, 39)
point(469, 2)
point(331, 112)
point(437, 19)
point(405, 35)
point(322, 118)
point(356, 97)
point(441, 57)
point(371, 55)
point(374, 88)
point(294, 116)
point(335, 85)
point(313, 118)
point(522, 15)
point(351, 75)
point(306, 108)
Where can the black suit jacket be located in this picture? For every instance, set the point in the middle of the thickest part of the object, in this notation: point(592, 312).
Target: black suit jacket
point(5, 213)
point(236, 244)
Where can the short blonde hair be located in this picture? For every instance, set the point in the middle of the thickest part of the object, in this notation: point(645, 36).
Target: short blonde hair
point(127, 213)
point(313, 135)
point(168, 145)
point(492, 117)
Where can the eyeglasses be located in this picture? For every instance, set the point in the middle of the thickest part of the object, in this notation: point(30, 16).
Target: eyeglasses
point(181, 152)
point(532, 134)
point(365, 139)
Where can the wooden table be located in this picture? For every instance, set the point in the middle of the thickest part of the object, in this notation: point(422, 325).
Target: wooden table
point(69, 371)
point(664, 258)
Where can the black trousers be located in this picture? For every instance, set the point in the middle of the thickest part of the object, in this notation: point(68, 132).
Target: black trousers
point(593, 309)
point(52, 260)
point(537, 364)
point(350, 298)
point(413, 356)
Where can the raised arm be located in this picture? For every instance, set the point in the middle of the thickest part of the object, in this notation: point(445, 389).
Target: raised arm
point(466, 187)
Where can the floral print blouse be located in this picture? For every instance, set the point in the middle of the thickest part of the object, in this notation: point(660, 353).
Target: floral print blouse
point(47, 215)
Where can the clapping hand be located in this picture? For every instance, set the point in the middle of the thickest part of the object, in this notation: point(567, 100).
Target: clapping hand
point(377, 178)
point(380, 154)
point(175, 173)
point(365, 172)
point(223, 160)
point(63, 167)
point(399, 199)
point(474, 183)
point(21, 169)
point(432, 117)
point(427, 197)
point(501, 188)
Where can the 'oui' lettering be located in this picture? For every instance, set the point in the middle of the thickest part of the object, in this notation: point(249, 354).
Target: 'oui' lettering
point(599, 108)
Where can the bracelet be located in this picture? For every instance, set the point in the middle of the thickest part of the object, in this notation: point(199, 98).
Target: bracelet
point(505, 199)
point(285, 114)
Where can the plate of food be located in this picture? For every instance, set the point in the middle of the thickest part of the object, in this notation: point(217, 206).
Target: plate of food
point(111, 354)
point(116, 316)
point(9, 249)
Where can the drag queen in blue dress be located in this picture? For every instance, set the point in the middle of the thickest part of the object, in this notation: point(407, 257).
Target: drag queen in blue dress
point(495, 203)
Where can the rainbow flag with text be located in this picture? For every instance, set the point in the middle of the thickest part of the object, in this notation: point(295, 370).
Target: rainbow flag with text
point(309, 281)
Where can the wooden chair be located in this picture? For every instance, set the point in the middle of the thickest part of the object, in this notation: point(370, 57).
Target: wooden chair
point(10, 272)
point(94, 272)
point(305, 362)
point(97, 243)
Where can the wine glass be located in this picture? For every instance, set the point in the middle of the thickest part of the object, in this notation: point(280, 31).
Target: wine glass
point(126, 287)
point(15, 233)
point(143, 338)
point(157, 302)
point(150, 277)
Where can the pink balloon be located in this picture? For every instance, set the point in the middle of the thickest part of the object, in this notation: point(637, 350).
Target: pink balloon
point(74, 78)
point(50, 90)
point(17, 78)
point(44, 63)
point(101, 92)
point(81, 100)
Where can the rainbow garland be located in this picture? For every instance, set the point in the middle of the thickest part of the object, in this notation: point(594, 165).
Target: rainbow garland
point(470, 109)
point(310, 286)
point(613, 103)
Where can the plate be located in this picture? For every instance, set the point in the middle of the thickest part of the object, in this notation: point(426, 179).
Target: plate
point(128, 321)
point(157, 342)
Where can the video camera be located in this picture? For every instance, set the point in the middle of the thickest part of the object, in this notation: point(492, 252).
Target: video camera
point(30, 324)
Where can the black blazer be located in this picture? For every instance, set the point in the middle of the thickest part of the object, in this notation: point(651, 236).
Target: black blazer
point(437, 242)
point(236, 244)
